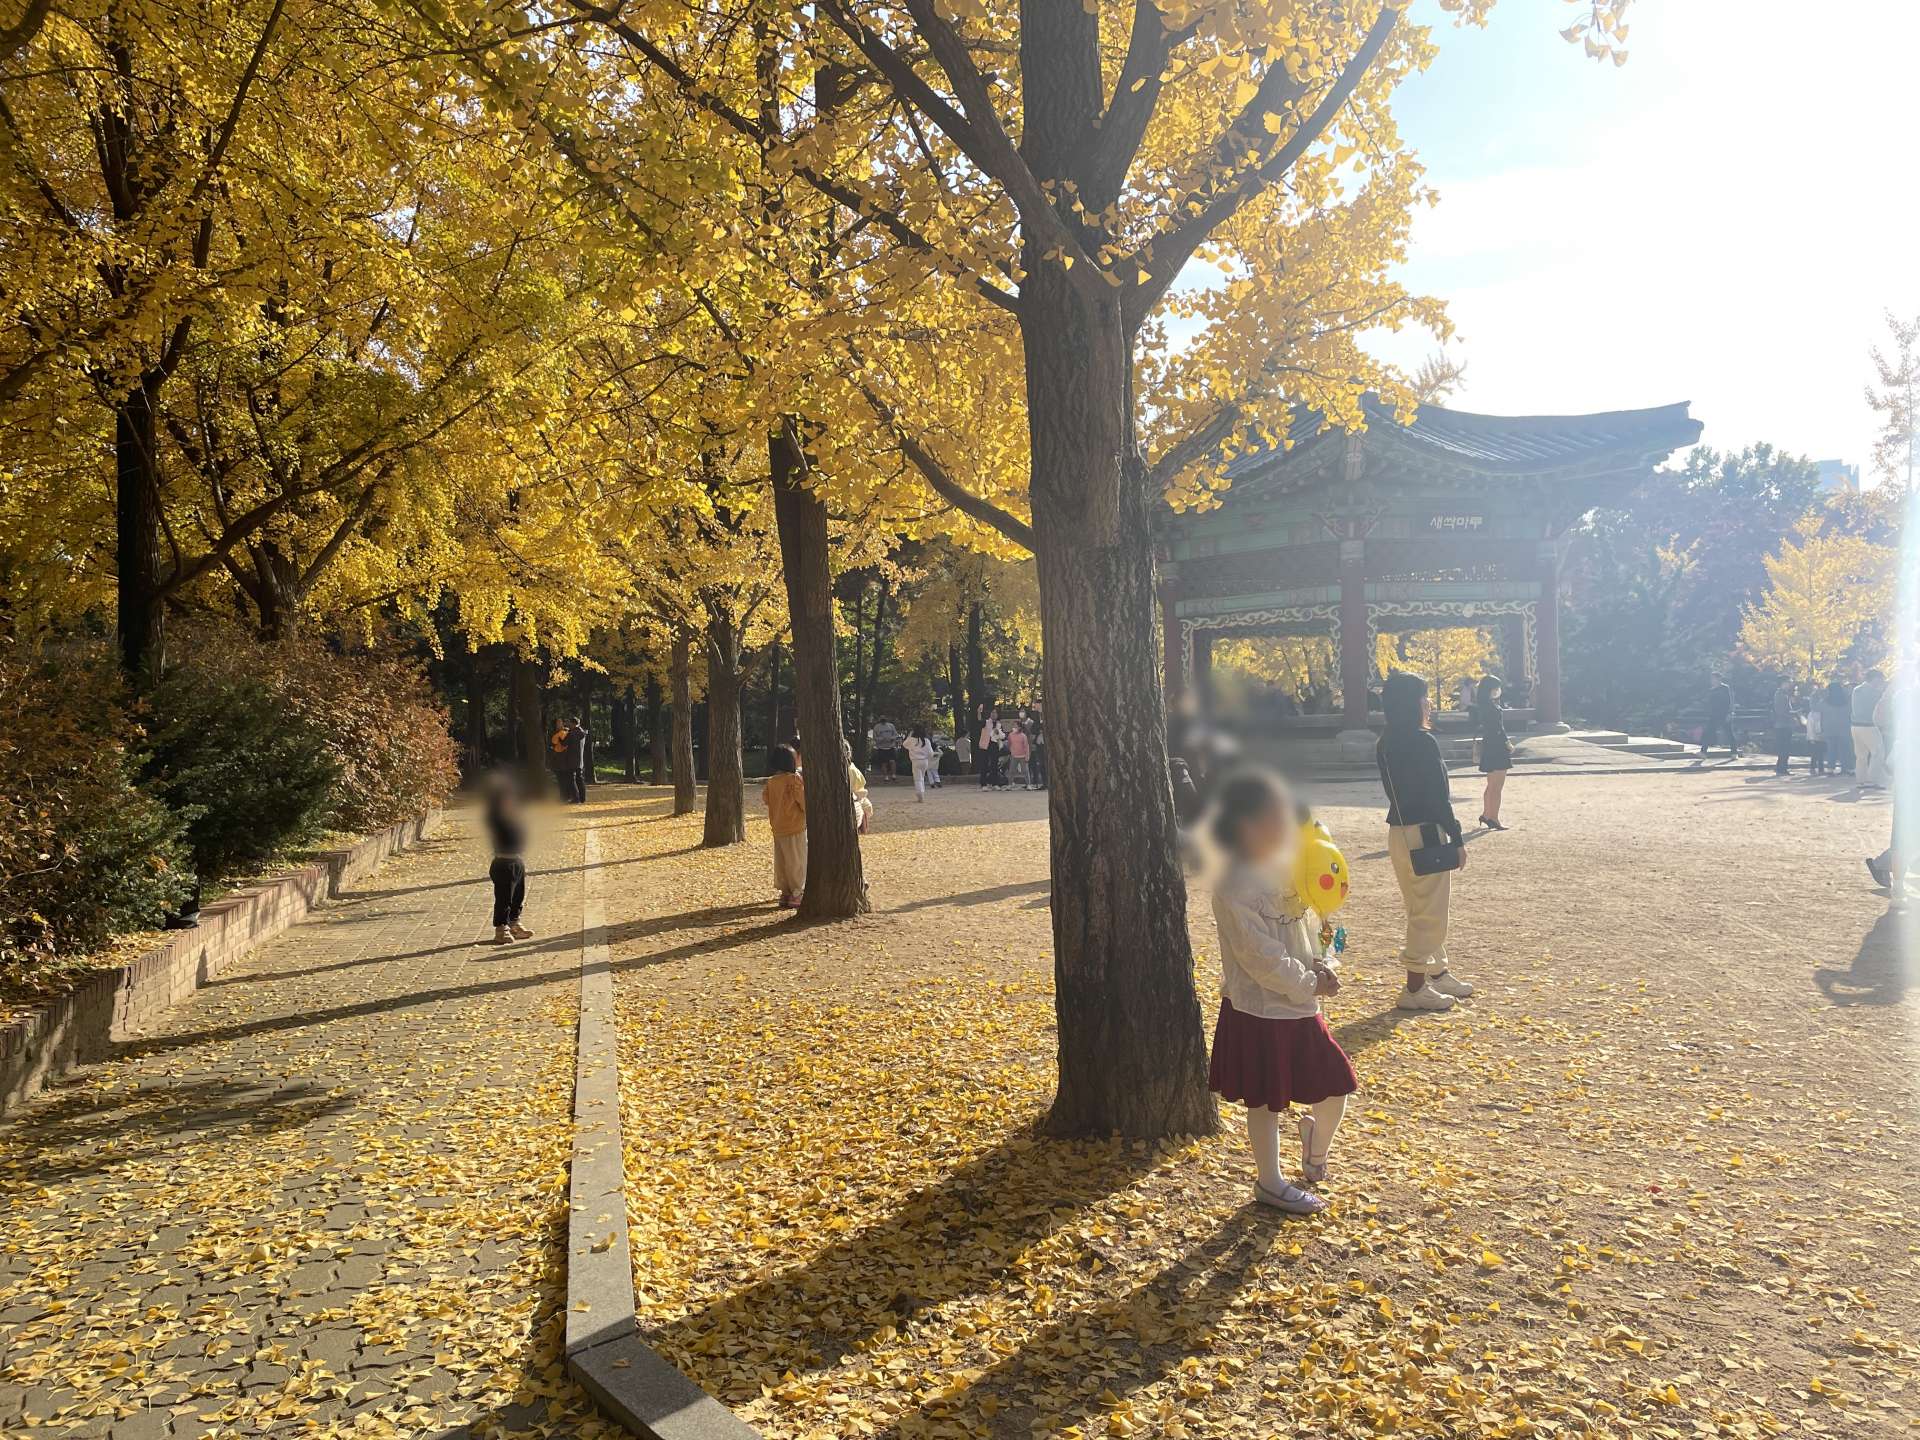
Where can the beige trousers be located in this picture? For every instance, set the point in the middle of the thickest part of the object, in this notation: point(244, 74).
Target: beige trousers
point(790, 863)
point(1425, 896)
point(1869, 755)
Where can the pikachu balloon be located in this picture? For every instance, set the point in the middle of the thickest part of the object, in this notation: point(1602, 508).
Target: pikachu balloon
point(1320, 870)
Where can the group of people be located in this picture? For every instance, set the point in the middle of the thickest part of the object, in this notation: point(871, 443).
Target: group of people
point(1272, 1049)
point(917, 750)
point(1847, 722)
point(568, 751)
point(1010, 753)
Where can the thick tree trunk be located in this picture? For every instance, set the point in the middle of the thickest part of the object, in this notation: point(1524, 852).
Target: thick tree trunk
point(836, 886)
point(726, 776)
point(1133, 1056)
point(680, 678)
point(656, 732)
point(530, 723)
point(140, 615)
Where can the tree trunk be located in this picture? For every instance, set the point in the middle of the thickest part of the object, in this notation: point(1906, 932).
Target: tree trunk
point(868, 715)
point(478, 747)
point(680, 677)
point(773, 696)
point(859, 725)
point(631, 755)
point(956, 695)
point(726, 777)
point(140, 614)
point(656, 732)
point(836, 886)
point(530, 723)
point(1132, 1053)
point(976, 668)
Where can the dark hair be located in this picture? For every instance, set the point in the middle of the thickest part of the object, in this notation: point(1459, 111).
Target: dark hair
point(1402, 698)
point(1242, 796)
point(1490, 686)
point(783, 760)
point(573, 720)
point(919, 732)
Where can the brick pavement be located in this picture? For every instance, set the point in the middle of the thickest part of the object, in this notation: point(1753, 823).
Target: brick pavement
point(325, 1194)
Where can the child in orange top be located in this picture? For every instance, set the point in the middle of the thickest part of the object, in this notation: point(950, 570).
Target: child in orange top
point(785, 796)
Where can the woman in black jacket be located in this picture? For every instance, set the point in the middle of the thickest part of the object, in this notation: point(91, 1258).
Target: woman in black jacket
point(1419, 814)
point(1496, 751)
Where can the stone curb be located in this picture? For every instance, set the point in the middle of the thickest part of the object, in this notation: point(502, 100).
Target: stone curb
point(631, 1381)
point(82, 1025)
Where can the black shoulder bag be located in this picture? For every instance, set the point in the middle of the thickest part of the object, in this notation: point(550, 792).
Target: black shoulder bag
point(1432, 856)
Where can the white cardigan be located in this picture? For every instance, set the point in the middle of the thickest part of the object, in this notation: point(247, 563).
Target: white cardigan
point(1267, 953)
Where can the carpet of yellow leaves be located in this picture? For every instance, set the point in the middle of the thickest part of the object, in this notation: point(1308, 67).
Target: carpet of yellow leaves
point(1651, 1182)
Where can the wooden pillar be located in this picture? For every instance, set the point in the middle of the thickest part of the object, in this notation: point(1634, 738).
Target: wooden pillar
point(1353, 634)
point(1546, 639)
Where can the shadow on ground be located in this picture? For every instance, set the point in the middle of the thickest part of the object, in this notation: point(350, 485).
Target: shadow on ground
point(1883, 969)
point(952, 1239)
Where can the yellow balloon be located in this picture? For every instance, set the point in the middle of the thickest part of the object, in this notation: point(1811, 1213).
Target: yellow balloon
point(1319, 870)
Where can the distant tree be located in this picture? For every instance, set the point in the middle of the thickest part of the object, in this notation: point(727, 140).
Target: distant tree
point(1661, 582)
point(1443, 657)
point(1894, 400)
point(1437, 378)
point(1826, 592)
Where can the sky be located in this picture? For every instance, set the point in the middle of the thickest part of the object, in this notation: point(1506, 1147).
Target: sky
point(1723, 220)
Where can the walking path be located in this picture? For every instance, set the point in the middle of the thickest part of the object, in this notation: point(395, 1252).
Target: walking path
point(327, 1193)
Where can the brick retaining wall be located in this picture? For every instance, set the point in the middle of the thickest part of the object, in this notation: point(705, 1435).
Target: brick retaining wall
point(82, 1025)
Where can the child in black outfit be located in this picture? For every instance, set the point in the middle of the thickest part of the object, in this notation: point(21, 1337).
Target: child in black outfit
point(507, 829)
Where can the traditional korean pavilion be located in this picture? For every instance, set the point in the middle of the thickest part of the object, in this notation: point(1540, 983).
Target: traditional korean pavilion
point(1454, 519)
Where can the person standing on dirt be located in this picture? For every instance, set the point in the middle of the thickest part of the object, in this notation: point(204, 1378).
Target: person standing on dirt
point(1869, 745)
point(1719, 717)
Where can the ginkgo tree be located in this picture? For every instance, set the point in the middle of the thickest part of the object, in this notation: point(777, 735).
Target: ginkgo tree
point(1825, 591)
point(1062, 188)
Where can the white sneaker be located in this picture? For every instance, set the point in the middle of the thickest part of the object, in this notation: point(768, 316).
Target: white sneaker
point(1290, 1198)
point(1450, 984)
point(1425, 998)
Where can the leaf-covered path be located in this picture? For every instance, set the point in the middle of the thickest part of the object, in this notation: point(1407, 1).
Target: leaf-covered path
point(1658, 1179)
point(322, 1195)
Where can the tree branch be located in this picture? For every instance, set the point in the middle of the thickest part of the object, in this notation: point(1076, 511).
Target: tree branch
point(973, 506)
point(1135, 95)
point(1171, 249)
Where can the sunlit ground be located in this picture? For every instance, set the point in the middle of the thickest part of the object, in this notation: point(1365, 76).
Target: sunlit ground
point(1658, 1179)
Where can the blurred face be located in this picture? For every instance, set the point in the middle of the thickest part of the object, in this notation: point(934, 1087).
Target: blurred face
point(1265, 834)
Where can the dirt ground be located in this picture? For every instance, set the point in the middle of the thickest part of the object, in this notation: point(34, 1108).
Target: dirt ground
point(1657, 1179)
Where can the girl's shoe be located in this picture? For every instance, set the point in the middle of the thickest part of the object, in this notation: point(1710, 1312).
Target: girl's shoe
point(1288, 1198)
point(1312, 1173)
point(1447, 983)
point(520, 932)
point(1491, 824)
point(502, 935)
point(787, 902)
point(1425, 998)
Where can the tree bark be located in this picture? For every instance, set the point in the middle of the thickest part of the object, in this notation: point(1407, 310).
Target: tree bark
point(868, 714)
point(773, 696)
point(836, 886)
point(631, 700)
point(656, 732)
point(530, 723)
point(140, 615)
point(859, 726)
point(680, 678)
point(1132, 1053)
point(726, 822)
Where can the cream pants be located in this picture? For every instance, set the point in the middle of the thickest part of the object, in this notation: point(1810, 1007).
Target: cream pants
point(1425, 896)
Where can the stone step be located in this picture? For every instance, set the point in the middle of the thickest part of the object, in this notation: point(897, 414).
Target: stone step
point(1600, 737)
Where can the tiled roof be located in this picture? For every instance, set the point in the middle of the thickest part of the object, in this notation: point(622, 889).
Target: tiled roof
point(1502, 444)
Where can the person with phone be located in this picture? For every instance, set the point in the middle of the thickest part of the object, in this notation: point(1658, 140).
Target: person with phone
point(1423, 841)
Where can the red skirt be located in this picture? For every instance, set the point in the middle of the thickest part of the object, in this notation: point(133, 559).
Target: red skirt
point(1277, 1063)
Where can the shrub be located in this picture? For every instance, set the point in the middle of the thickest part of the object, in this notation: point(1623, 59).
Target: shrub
point(250, 779)
point(386, 733)
point(85, 849)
